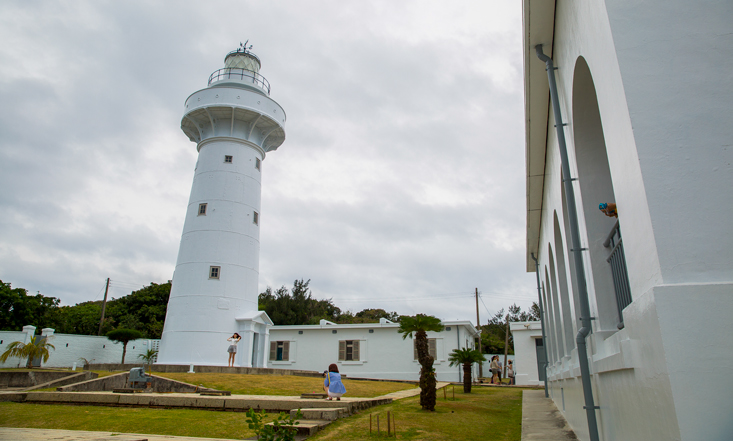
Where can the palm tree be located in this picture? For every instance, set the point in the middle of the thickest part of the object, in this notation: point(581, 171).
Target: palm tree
point(123, 336)
point(466, 357)
point(37, 347)
point(148, 357)
point(420, 325)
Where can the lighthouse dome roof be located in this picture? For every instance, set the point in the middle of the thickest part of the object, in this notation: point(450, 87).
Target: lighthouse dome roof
point(240, 59)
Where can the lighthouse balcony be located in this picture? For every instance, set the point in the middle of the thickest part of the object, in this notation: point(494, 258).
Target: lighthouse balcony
point(239, 76)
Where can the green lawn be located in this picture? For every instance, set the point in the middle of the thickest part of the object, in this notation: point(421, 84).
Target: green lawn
point(490, 413)
point(176, 422)
point(287, 385)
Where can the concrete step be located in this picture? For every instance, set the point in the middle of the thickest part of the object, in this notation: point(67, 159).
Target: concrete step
point(308, 427)
point(325, 413)
point(316, 395)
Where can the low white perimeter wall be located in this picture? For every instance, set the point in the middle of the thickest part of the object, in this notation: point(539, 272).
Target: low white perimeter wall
point(70, 348)
point(383, 352)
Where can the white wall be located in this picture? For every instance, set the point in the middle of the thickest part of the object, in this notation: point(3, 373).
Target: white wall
point(662, 78)
point(384, 353)
point(70, 348)
point(524, 335)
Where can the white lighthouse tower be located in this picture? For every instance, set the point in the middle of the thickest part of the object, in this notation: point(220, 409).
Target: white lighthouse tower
point(234, 123)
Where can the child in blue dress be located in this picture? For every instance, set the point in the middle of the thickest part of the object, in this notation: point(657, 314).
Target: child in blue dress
point(332, 383)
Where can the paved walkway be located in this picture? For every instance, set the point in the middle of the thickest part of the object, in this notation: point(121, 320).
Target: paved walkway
point(541, 421)
point(10, 434)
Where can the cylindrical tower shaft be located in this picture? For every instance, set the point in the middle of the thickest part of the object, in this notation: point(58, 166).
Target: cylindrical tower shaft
point(215, 283)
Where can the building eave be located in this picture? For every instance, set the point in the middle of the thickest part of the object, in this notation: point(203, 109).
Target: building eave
point(538, 25)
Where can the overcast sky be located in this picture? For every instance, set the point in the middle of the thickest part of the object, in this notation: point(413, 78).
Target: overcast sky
point(400, 184)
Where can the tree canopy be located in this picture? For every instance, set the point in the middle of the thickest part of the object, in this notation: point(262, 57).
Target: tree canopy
point(124, 336)
point(143, 310)
point(493, 334)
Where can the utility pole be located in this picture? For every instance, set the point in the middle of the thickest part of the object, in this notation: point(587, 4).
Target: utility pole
point(104, 306)
point(480, 364)
point(506, 344)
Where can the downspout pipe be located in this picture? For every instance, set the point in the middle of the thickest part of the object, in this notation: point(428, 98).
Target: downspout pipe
point(585, 319)
point(542, 319)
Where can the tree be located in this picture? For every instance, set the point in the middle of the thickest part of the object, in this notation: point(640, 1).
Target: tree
point(466, 357)
point(37, 347)
point(18, 309)
point(420, 325)
point(493, 334)
point(124, 336)
point(148, 357)
point(297, 307)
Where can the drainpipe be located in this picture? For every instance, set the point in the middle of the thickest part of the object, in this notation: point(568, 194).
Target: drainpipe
point(542, 319)
point(585, 319)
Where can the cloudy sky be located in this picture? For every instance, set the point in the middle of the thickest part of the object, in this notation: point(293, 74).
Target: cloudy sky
point(400, 184)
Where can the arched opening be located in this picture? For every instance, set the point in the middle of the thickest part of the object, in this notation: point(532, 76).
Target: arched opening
point(552, 330)
point(569, 327)
point(548, 328)
point(596, 186)
point(559, 319)
point(571, 258)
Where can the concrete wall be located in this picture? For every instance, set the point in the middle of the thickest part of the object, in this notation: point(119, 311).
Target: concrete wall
point(665, 159)
point(525, 352)
point(70, 348)
point(383, 352)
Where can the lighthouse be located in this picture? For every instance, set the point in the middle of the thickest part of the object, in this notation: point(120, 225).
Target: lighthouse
point(234, 123)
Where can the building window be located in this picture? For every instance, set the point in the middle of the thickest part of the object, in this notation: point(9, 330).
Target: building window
point(202, 209)
point(279, 350)
point(432, 348)
point(349, 350)
point(228, 159)
point(258, 164)
point(214, 272)
point(256, 218)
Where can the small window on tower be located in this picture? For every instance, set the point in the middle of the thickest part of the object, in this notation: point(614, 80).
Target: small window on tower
point(214, 272)
point(258, 164)
point(256, 218)
point(202, 209)
point(228, 159)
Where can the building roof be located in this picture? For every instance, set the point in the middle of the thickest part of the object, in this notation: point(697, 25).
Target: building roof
point(538, 25)
point(383, 323)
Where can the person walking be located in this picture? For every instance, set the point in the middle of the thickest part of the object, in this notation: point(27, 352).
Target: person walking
point(332, 384)
point(494, 366)
point(510, 372)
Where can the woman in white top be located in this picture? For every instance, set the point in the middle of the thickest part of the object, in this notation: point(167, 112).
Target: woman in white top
point(232, 350)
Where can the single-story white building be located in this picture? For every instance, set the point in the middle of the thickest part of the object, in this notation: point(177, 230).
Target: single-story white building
point(368, 350)
point(529, 353)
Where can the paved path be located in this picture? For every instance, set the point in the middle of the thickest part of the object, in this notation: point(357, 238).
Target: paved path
point(410, 392)
point(10, 434)
point(541, 421)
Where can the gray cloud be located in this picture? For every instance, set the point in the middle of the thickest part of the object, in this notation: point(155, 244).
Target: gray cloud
point(400, 184)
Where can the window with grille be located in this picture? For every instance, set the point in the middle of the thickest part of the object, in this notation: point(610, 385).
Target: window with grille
point(279, 350)
point(202, 209)
point(228, 159)
point(258, 164)
point(256, 218)
point(349, 350)
point(214, 272)
point(432, 348)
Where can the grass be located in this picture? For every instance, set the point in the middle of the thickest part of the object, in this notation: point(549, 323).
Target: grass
point(286, 385)
point(174, 422)
point(486, 413)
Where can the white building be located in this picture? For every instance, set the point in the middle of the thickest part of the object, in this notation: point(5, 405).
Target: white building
point(234, 123)
point(529, 353)
point(367, 350)
point(643, 104)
